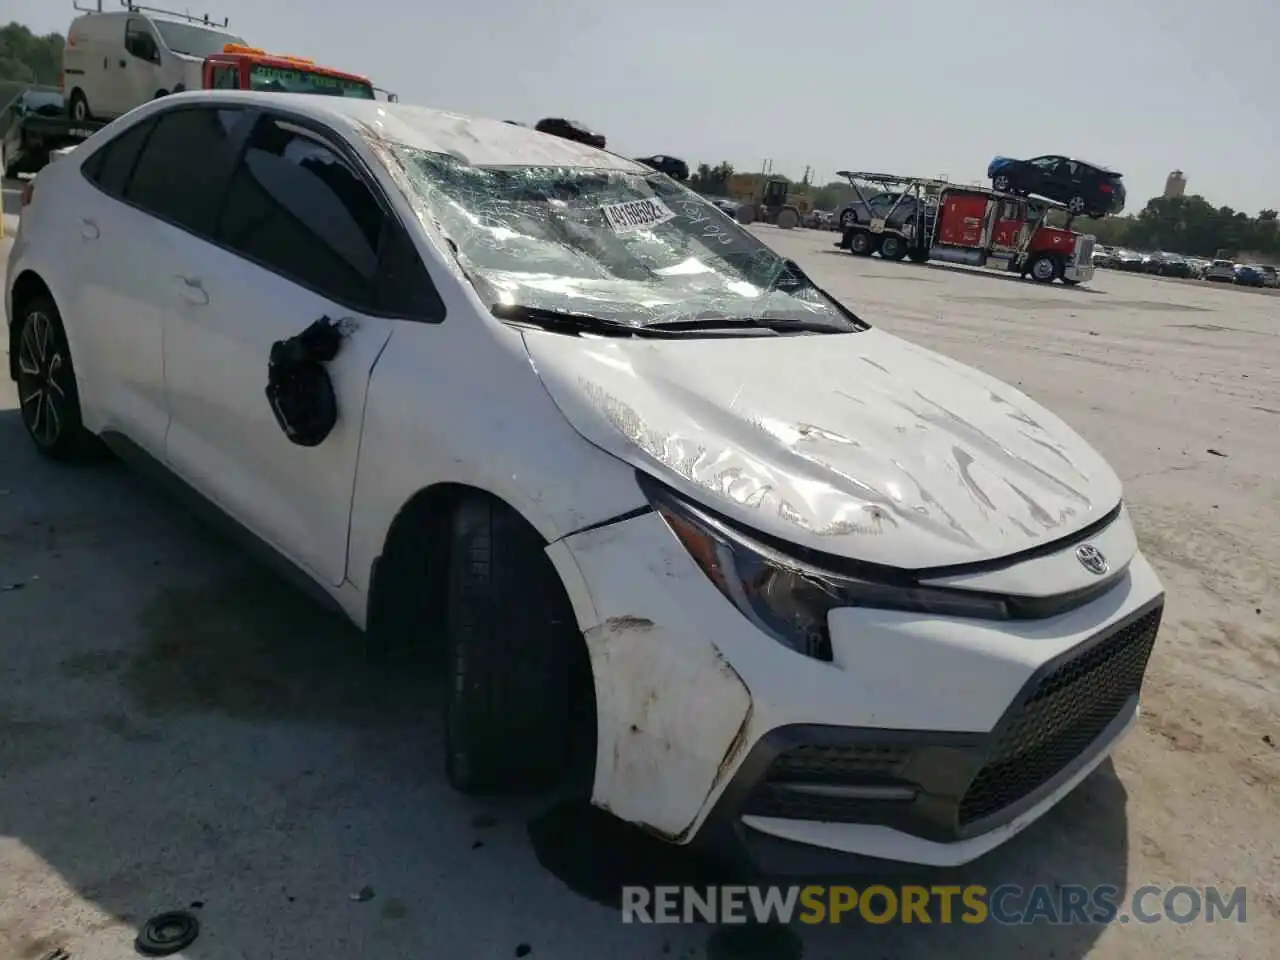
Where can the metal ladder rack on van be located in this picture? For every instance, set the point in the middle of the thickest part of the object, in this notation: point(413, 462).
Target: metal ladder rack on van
point(139, 8)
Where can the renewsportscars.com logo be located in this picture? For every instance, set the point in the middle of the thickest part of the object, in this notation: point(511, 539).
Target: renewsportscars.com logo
point(1007, 904)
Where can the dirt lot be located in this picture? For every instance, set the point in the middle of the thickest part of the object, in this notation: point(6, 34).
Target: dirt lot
point(177, 728)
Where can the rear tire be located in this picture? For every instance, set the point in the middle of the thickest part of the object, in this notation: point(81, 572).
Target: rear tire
point(78, 107)
point(514, 654)
point(1000, 182)
point(860, 244)
point(893, 247)
point(48, 396)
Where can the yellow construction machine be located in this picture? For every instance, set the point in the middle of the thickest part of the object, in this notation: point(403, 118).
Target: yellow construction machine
point(768, 199)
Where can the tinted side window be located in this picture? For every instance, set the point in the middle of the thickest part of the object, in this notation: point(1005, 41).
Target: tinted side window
point(298, 208)
point(111, 164)
point(183, 169)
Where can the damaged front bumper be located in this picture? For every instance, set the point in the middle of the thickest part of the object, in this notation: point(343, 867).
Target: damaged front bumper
point(924, 741)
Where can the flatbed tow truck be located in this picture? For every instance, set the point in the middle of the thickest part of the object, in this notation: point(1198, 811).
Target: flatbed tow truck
point(928, 219)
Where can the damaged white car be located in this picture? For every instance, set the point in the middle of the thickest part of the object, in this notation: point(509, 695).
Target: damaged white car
point(810, 593)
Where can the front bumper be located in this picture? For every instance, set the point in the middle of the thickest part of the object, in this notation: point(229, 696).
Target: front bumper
point(1078, 273)
point(706, 725)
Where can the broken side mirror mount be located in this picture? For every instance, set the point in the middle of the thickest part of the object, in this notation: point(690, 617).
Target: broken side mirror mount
point(298, 386)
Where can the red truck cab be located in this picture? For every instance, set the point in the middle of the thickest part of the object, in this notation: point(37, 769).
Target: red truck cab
point(983, 228)
point(239, 67)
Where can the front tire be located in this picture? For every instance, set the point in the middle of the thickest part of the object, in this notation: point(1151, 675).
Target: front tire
point(48, 397)
point(514, 656)
point(1000, 182)
point(788, 219)
point(1045, 268)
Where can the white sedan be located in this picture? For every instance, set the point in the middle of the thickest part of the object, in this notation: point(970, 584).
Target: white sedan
point(772, 581)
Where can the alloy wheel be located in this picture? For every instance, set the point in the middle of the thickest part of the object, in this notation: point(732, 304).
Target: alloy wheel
point(41, 379)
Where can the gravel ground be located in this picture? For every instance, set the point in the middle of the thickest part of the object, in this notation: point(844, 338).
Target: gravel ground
point(176, 728)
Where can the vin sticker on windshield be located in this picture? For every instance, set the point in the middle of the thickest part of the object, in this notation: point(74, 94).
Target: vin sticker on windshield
point(636, 214)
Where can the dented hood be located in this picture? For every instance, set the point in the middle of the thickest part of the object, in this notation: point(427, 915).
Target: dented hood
point(861, 445)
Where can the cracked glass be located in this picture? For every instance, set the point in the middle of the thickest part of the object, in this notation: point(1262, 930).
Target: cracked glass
point(627, 247)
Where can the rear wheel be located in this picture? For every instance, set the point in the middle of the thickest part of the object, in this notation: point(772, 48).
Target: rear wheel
point(1076, 205)
point(860, 244)
point(516, 660)
point(78, 106)
point(1001, 182)
point(893, 247)
point(47, 393)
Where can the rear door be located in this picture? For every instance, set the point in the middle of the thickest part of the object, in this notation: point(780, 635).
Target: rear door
point(303, 234)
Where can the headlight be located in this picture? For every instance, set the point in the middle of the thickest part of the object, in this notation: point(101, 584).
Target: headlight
point(788, 598)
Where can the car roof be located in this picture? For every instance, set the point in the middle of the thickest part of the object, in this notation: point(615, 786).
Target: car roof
point(477, 141)
point(1097, 166)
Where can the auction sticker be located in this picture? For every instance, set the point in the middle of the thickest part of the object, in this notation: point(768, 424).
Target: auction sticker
point(636, 214)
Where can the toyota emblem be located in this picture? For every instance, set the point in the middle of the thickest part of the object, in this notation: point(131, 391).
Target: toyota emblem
point(1091, 559)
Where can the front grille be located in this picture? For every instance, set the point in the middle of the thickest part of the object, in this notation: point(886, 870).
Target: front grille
point(1065, 713)
point(1084, 250)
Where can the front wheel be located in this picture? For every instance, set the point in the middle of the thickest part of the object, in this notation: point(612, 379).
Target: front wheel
point(788, 219)
point(48, 397)
point(515, 657)
point(1045, 268)
point(1001, 183)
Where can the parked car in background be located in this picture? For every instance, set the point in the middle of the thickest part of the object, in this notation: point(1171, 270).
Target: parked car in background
point(673, 167)
point(1221, 271)
point(1248, 275)
point(1085, 188)
point(1166, 264)
point(1104, 256)
point(1270, 277)
point(726, 205)
point(1129, 260)
point(797, 644)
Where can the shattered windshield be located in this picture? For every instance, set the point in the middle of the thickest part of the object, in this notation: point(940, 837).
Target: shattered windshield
point(631, 248)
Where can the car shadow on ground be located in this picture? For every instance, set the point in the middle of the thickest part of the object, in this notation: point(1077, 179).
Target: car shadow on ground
point(179, 729)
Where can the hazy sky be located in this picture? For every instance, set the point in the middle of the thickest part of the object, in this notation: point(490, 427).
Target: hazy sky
point(927, 87)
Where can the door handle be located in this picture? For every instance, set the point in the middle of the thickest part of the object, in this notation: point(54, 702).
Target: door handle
point(192, 290)
point(89, 229)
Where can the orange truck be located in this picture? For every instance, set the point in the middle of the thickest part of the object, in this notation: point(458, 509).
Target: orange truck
point(238, 67)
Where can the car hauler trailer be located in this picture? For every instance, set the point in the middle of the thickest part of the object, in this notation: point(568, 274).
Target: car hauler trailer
point(925, 219)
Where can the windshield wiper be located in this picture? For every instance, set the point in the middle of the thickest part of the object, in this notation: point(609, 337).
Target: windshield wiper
point(778, 324)
point(563, 321)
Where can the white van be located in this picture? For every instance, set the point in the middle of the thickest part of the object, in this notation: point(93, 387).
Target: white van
point(115, 60)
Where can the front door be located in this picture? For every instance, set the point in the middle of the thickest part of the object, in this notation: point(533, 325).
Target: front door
point(140, 77)
point(297, 240)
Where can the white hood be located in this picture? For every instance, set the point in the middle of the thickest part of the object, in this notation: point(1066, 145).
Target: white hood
point(861, 445)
